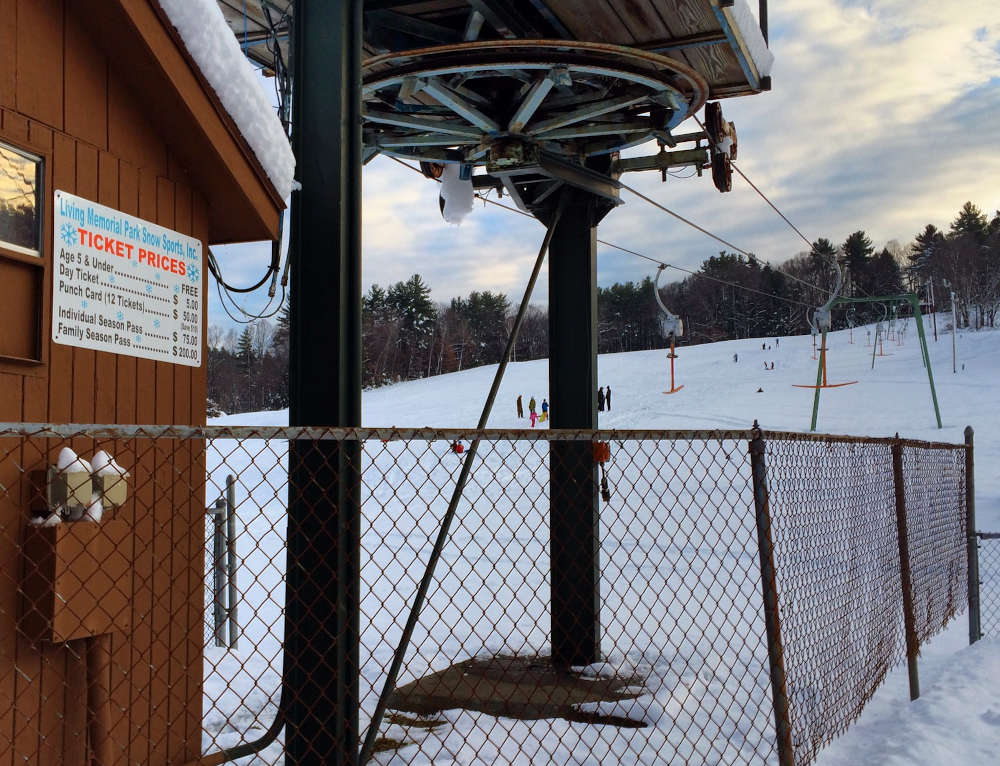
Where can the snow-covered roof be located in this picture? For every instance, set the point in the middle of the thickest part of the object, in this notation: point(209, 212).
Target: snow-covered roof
point(216, 52)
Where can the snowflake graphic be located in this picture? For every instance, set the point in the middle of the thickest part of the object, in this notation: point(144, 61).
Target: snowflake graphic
point(121, 315)
point(149, 288)
point(83, 303)
point(138, 339)
point(177, 288)
point(156, 323)
point(194, 274)
point(157, 277)
point(68, 233)
point(111, 279)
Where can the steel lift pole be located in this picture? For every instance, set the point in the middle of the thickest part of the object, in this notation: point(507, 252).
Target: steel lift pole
point(574, 475)
point(322, 601)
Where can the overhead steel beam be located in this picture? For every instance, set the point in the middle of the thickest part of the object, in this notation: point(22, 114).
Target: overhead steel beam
point(411, 25)
point(536, 94)
point(403, 120)
point(585, 113)
point(504, 19)
point(664, 160)
point(473, 26)
point(459, 105)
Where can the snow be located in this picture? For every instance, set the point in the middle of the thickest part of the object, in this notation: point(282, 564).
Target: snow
point(456, 193)
point(749, 28)
point(217, 54)
point(498, 556)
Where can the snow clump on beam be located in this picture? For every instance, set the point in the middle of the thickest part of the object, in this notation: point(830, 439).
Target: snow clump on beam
point(215, 50)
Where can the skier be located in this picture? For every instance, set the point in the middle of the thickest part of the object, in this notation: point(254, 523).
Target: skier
point(531, 407)
point(772, 365)
point(607, 398)
point(520, 407)
point(600, 399)
point(545, 410)
point(777, 342)
point(736, 358)
point(763, 347)
point(534, 416)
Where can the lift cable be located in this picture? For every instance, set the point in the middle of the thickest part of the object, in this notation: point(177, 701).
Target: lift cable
point(702, 275)
point(705, 231)
point(762, 195)
point(657, 261)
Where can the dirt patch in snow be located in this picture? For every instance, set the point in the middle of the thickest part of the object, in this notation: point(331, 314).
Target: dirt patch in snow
point(527, 688)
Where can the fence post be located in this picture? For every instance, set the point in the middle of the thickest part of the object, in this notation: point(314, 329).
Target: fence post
point(231, 560)
point(769, 588)
point(219, 571)
point(909, 620)
point(975, 625)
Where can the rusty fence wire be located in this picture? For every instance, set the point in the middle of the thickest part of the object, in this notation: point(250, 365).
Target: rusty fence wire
point(741, 610)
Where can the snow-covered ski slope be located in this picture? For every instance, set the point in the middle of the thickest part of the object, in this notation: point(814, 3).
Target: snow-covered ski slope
point(955, 715)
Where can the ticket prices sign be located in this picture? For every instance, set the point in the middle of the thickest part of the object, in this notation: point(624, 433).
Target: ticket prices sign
point(125, 285)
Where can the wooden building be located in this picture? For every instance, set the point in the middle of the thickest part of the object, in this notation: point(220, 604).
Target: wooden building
point(99, 99)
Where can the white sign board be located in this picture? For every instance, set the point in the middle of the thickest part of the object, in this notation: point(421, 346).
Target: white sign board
point(125, 285)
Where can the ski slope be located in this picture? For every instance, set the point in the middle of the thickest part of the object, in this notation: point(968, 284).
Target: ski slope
point(958, 713)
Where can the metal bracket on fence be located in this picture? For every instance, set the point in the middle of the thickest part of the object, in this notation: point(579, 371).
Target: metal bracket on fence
point(769, 588)
point(906, 583)
point(224, 591)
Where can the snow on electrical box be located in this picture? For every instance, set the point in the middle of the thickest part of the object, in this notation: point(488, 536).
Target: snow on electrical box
point(125, 285)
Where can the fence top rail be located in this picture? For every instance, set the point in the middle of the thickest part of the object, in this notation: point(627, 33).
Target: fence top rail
point(331, 433)
point(797, 436)
point(988, 535)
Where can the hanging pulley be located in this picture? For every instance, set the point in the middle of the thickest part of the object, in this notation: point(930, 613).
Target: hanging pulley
point(722, 139)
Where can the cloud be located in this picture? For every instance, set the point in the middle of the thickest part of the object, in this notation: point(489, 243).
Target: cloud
point(883, 117)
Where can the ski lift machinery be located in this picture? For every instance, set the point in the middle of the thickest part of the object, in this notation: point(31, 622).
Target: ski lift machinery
point(822, 321)
point(671, 326)
point(530, 100)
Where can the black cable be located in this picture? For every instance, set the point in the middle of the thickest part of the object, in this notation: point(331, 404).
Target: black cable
point(699, 274)
point(213, 266)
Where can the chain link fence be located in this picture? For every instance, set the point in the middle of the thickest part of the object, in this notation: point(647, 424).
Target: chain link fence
point(989, 584)
point(741, 592)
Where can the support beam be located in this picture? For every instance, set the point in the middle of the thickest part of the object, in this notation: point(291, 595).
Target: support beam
point(459, 105)
point(403, 120)
point(323, 548)
point(574, 543)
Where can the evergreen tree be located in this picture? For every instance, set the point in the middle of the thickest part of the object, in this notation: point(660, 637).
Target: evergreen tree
point(972, 222)
point(856, 256)
point(245, 355)
point(925, 248)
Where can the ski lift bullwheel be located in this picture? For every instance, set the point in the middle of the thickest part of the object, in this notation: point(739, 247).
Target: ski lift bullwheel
point(466, 102)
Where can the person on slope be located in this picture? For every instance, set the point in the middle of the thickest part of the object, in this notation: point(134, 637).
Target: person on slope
point(545, 410)
point(534, 416)
point(531, 407)
point(607, 398)
point(520, 407)
point(600, 399)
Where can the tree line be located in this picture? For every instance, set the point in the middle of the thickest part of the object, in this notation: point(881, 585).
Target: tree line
point(406, 335)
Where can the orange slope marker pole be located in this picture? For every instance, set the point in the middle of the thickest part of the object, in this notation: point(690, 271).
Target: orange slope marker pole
point(821, 380)
point(671, 356)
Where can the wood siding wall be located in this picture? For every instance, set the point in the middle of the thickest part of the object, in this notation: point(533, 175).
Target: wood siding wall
point(61, 98)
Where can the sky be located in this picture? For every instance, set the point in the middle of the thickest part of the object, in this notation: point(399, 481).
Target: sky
point(883, 116)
